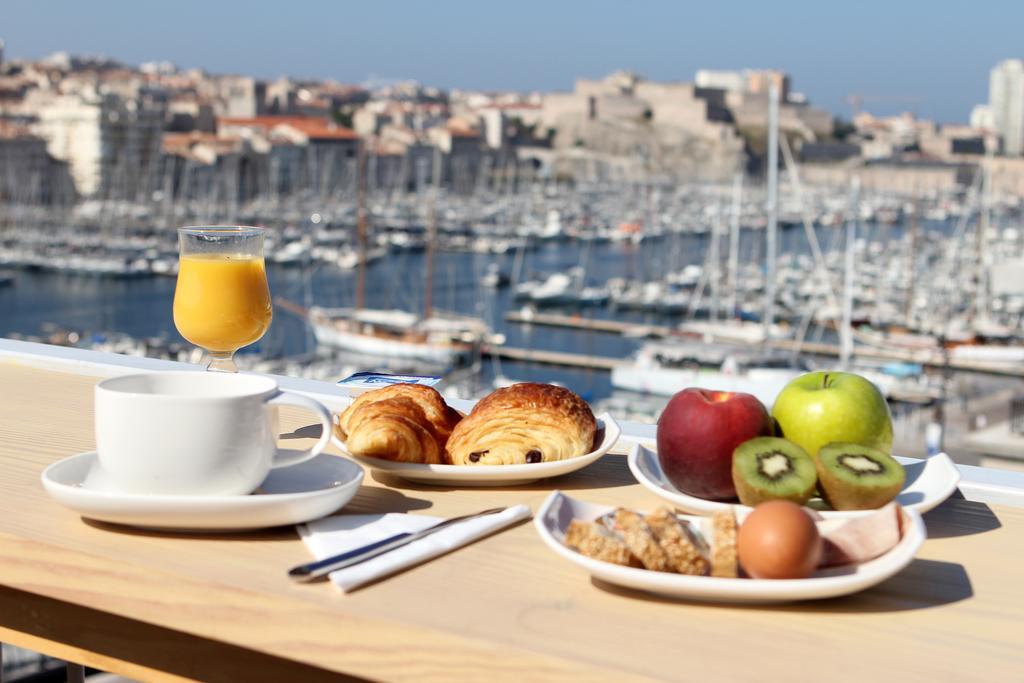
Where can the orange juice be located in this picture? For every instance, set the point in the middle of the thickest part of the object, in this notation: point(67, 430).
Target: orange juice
point(222, 301)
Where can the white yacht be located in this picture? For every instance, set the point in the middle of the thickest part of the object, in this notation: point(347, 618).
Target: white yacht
point(443, 339)
point(744, 331)
point(562, 289)
point(292, 254)
point(663, 370)
point(494, 278)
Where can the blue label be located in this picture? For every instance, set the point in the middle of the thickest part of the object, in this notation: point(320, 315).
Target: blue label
point(376, 379)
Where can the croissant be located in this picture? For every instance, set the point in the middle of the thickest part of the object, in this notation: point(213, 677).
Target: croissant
point(440, 416)
point(393, 429)
point(523, 423)
point(402, 422)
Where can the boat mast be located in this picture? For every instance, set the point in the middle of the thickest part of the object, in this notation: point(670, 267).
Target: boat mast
point(846, 333)
point(715, 263)
point(428, 285)
point(911, 264)
point(734, 242)
point(361, 227)
point(772, 206)
point(980, 291)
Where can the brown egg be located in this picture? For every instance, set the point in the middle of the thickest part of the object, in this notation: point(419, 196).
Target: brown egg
point(778, 540)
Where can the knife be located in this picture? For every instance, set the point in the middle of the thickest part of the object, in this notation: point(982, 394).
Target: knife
point(314, 570)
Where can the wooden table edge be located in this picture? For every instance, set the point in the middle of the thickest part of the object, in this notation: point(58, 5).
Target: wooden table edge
point(44, 578)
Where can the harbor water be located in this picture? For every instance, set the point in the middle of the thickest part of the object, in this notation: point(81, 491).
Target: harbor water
point(141, 307)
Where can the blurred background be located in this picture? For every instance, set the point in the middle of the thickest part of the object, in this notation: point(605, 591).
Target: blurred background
point(624, 200)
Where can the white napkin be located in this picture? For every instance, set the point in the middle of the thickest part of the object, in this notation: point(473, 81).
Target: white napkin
point(334, 535)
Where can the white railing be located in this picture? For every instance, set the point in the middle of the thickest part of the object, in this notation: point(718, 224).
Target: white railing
point(982, 484)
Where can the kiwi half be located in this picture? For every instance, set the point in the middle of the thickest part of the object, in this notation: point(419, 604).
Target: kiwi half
point(769, 468)
point(854, 477)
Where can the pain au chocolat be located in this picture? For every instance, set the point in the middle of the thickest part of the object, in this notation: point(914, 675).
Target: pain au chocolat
point(524, 423)
point(402, 422)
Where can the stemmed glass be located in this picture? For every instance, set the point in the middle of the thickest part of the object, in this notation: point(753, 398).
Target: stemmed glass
point(221, 300)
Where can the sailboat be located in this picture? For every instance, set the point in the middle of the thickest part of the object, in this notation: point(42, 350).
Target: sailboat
point(564, 289)
point(654, 371)
point(663, 369)
point(441, 340)
point(437, 338)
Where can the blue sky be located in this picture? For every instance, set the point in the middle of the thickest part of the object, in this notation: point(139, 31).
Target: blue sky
point(938, 52)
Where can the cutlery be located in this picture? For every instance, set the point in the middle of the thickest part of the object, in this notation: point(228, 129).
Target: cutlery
point(319, 568)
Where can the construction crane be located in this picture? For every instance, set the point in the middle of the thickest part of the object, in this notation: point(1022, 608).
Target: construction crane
point(856, 100)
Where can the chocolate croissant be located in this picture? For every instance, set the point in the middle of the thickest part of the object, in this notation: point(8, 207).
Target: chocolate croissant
point(523, 423)
point(403, 422)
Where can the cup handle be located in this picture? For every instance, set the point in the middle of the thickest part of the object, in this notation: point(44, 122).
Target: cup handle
point(285, 457)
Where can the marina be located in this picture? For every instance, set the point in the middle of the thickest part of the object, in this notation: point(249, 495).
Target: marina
point(928, 357)
point(547, 242)
point(579, 346)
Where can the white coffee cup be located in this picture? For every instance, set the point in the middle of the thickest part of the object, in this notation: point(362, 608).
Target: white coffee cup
point(195, 433)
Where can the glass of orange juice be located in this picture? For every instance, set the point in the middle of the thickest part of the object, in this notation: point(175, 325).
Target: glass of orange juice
point(221, 300)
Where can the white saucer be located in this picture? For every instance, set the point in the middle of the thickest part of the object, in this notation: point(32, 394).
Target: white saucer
point(290, 495)
point(928, 483)
point(492, 475)
point(553, 517)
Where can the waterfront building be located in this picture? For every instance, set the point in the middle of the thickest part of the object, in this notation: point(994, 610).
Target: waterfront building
point(494, 123)
point(951, 141)
point(752, 81)
point(300, 130)
point(72, 126)
point(187, 111)
point(760, 81)
point(289, 97)
point(196, 164)
point(905, 175)
point(888, 136)
point(981, 117)
point(373, 116)
point(109, 143)
point(28, 174)
point(1006, 100)
point(369, 120)
point(280, 97)
point(201, 147)
point(640, 126)
point(304, 151)
point(463, 153)
point(501, 122)
point(701, 128)
point(234, 96)
point(829, 152)
point(720, 80)
point(750, 112)
point(741, 98)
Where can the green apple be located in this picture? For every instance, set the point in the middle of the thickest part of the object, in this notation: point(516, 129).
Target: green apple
point(821, 407)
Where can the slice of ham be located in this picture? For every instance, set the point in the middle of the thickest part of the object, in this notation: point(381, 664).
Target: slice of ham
point(862, 538)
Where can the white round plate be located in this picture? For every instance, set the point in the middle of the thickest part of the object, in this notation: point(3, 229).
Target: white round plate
point(928, 483)
point(290, 495)
point(558, 510)
point(492, 475)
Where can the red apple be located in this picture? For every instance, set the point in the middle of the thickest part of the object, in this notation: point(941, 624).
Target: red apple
point(697, 433)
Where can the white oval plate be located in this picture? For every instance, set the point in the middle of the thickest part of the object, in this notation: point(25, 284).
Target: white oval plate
point(290, 495)
point(558, 510)
point(492, 475)
point(928, 483)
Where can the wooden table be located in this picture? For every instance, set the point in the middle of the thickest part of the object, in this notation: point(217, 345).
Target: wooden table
point(156, 606)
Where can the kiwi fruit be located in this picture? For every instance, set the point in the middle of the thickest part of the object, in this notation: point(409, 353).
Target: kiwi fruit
point(854, 477)
point(769, 468)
